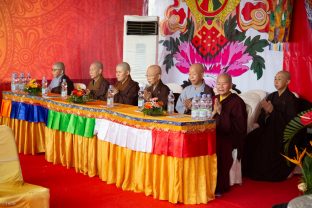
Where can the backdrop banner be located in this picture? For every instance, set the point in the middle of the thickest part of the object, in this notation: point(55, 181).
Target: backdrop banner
point(34, 34)
point(225, 36)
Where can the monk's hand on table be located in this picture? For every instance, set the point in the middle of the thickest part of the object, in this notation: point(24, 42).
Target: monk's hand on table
point(188, 103)
point(147, 95)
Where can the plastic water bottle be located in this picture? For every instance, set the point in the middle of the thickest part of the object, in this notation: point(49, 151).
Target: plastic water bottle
point(195, 108)
point(203, 108)
point(22, 82)
point(141, 98)
point(14, 82)
point(44, 87)
point(170, 104)
point(110, 97)
point(209, 106)
point(64, 89)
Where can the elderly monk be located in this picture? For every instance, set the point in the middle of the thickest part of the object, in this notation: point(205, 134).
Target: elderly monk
point(196, 74)
point(125, 90)
point(231, 125)
point(58, 72)
point(157, 87)
point(264, 145)
point(98, 86)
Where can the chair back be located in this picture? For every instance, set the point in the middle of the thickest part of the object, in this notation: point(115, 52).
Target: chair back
point(9, 162)
point(80, 86)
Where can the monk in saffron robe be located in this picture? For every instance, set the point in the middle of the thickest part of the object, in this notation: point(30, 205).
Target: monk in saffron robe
point(157, 88)
point(98, 86)
point(231, 125)
point(264, 145)
point(125, 90)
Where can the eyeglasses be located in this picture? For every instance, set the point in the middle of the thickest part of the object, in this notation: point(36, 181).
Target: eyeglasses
point(151, 75)
point(55, 69)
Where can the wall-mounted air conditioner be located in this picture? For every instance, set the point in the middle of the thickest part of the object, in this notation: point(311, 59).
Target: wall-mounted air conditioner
point(140, 44)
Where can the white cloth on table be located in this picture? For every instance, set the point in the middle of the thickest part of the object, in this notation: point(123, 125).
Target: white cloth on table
point(123, 135)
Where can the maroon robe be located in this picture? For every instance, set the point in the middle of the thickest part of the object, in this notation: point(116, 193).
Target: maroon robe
point(264, 145)
point(128, 92)
point(98, 89)
point(161, 91)
point(231, 127)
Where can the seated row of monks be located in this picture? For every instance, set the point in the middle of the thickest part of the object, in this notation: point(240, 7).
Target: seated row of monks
point(260, 150)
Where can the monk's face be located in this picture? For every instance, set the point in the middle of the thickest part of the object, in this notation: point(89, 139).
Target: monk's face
point(121, 74)
point(56, 72)
point(94, 71)
point(196, 75)
point(224, 85)
point(152, 75)
point(280, 81)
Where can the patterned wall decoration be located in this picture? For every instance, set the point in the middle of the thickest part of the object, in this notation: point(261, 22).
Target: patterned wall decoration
point(36, 33)
point(223, 35)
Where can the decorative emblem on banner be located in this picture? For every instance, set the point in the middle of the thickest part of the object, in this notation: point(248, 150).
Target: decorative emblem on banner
point(175, 20)
point(280, 19)
point(253, 14)
point(209, 41)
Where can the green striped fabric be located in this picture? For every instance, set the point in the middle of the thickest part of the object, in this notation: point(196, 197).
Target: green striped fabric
point(71, 123)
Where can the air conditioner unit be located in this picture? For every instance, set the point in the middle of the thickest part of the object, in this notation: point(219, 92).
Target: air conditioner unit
point(140, 44)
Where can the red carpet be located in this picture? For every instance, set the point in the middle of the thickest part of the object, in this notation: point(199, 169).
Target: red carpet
point(70, 189)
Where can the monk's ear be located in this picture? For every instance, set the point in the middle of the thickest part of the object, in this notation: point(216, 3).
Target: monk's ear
point(127, 72)
point(288, 81)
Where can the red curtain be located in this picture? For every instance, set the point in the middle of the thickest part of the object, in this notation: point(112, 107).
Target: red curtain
point(298, 54)
point(34, 34)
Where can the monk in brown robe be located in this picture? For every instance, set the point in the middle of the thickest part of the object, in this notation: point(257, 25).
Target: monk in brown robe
point(98, 86)
point(125, 90)
point(157, 87)
point(231, 125)
point(264, 145)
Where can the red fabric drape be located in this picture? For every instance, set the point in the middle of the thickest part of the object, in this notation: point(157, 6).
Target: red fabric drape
point(34, 34)
point(298, 54)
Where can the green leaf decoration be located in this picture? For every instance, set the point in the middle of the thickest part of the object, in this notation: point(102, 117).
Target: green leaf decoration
point(188, 35)
point(230, 31)
point(168, 61)
point(292, 128)
point(255, 45)
point(258, 66)
point(307, 173)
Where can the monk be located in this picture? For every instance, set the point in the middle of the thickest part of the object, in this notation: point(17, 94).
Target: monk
point(58, 72)
point(98, 86)
point(125, 90)
point(231, 125)
point(264, 145)
point(196, 76)
point(157, 88)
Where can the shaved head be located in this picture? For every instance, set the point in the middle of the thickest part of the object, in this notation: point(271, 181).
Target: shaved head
point(286, 74)
point(198, 68)
point(155, 69)
point(226, 77)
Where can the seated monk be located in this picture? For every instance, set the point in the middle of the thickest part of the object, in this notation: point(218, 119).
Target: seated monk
point(196, 76)
point(264, 145)
point(58, 72)
point(98, 86)
point(125, 90)
point(157, 87)
point(231, 126)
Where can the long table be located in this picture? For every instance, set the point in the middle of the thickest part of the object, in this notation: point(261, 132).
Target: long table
point(169, 157)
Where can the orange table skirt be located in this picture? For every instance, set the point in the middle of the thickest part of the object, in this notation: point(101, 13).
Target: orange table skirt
point(29, 136)
point(72, 151)
point(186, 180)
